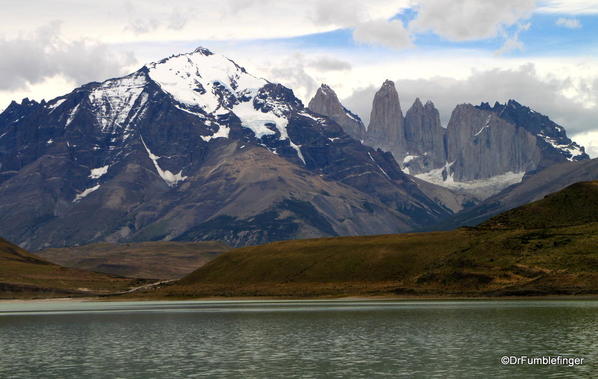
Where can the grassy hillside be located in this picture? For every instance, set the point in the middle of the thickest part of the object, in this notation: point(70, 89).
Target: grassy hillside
point(24, 275)
point(548, 247)
point(575, 205)
point(151, 260)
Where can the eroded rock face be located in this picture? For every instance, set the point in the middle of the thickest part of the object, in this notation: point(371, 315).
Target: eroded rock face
point(326, 103)
point(425, 139)
point(488, 148)
point(417, 141)
point(481, 145)
point(386, 129)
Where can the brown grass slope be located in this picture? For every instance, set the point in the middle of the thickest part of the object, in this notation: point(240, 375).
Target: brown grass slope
point(547, 247)
point(24, 275)
point(149, 260)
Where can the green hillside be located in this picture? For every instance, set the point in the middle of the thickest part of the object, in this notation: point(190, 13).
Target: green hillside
point(547, 247)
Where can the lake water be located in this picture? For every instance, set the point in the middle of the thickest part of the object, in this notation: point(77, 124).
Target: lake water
point(295, 339)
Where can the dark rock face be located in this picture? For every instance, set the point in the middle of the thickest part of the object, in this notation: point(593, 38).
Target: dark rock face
point(178, 151)
point(326, 103)
point(552, 138)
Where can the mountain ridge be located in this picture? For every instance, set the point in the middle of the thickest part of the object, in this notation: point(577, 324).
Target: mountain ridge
point(136, 152)
point(482, 150)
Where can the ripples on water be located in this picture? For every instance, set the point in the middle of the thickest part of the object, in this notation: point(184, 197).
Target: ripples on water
point(298, 339)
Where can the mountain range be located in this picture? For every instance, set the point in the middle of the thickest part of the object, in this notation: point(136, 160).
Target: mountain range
point(482, 150)
point(194, 147)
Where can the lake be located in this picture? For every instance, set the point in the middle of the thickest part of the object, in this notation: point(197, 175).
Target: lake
point(295, 339)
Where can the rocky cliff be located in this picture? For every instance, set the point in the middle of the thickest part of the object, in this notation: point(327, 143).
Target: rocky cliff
point(481, 145)
point(326, 103)
point(386, 129)
point(424, 139)
point(483, 149)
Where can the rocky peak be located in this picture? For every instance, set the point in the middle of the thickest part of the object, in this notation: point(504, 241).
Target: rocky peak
point(16, 110)
point(386, 129)
point(389, 84)
point(417, 104)
point(326, 90)
point(326, 103)
point(326, 95)
point(424, 136)
point(202, 50)
point(552, 138)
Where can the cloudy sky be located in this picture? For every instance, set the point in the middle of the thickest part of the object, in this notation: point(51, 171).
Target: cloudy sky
point(542, 53)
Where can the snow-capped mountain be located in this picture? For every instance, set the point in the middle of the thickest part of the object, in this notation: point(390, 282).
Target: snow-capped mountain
point(193, 147)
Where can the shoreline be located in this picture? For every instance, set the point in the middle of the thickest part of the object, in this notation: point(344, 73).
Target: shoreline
point(217, 299)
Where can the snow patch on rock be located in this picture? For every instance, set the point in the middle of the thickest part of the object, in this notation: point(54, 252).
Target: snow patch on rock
point(481, 188)
point(96, 173)
point(486, 126)
point(72, 114)
point(571, 150)
point(85, 193)
point(222, 132)
point(54, 104)
point(259, 122)
point(114, 99)
point(170, 178)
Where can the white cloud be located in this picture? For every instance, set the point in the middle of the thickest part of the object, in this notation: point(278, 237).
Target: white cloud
point(570, 23)
point(175, 19)
point(105, 31)
point(291, 71)
point(347, 13)
point(33, 58)
point(513, 42)
point(328, 63)
point(389, 33)
point(589, 140)
point(118, 21)
point(577, 7)
point(468, 20)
